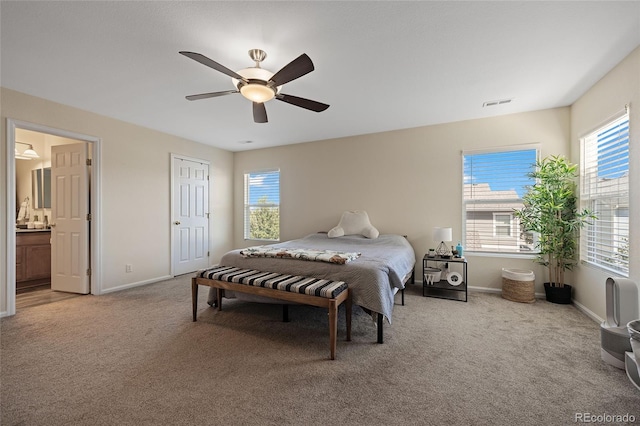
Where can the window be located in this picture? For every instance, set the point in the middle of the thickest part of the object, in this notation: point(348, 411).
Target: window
point(604, 189)
point(502, 224)
point(262, 205)
point(494, 183)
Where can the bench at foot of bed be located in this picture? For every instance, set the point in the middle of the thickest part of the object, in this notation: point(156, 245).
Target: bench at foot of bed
point(304, 290)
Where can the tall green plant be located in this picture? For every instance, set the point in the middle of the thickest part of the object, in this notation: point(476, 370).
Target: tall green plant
point(550, 209)
point(264, 221)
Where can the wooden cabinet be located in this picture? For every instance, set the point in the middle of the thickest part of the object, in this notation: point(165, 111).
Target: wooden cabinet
point(33, 259)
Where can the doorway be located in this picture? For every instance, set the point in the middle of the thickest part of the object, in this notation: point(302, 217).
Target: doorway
point(14, 128)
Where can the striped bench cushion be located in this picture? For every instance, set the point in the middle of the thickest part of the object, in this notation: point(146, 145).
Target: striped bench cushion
point(291, 283)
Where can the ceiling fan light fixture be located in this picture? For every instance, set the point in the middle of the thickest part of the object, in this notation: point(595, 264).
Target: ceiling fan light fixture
point(257, 92)
point(257, 88)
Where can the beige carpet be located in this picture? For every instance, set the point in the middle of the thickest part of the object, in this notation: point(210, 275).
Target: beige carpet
point(136, 358)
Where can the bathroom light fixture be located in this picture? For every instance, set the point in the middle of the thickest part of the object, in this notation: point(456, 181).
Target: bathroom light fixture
point(28, 153)
point(442, 235)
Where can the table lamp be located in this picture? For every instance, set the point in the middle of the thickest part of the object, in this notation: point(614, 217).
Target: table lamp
point(442, 235)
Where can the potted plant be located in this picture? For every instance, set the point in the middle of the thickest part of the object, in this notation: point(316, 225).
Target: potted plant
point(550, 209)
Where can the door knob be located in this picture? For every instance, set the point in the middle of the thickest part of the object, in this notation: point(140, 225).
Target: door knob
point(53, 225)
point(176, 222)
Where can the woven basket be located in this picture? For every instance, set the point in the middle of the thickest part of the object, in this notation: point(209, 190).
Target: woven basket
point(432, 275)
point(518, 291)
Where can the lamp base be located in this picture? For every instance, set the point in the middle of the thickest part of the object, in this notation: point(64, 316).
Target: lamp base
point(442, 249)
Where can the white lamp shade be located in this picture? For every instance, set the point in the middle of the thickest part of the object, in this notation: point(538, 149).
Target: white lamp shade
point(442, 234)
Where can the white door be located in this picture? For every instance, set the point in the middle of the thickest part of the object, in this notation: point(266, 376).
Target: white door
point(190, 216)
point(69, 219)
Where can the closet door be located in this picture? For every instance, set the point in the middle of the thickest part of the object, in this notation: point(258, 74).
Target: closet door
point(190, 215)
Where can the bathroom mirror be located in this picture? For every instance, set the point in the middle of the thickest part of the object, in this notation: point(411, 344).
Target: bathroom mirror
point(41, 186)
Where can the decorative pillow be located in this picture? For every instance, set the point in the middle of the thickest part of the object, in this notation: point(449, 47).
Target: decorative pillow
point(354, 222)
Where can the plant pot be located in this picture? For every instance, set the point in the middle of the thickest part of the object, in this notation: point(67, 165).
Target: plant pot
point(560, 295)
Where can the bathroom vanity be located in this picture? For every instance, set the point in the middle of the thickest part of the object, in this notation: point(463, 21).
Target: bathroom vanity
point(33, 258)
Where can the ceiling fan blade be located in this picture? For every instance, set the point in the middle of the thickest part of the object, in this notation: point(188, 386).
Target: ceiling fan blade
point(302, 102)
point(212, 64)
point(259, 113)
point(210, 95)
point(297, 68)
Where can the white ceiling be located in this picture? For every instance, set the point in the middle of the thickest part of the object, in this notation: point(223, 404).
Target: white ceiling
point(380, 65)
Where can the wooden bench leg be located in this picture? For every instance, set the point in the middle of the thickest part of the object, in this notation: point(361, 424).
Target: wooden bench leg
point(348, 316)
point(194, 297)
point(333, 328)
point(219, 298)
point(285, 313)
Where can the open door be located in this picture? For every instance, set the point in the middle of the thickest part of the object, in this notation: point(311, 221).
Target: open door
point(70, 219)
point(190, 215)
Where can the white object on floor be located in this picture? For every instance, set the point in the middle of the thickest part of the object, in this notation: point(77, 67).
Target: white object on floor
point(632, 368)
point(621, 307)
point(632, 359)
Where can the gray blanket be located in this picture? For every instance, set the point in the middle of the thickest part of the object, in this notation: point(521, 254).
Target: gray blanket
point(372, 278)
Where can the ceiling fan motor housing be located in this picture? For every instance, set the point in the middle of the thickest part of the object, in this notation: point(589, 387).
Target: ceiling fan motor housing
point(257, 87)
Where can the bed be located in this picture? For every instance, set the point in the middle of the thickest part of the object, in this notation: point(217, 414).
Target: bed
point(385, 265)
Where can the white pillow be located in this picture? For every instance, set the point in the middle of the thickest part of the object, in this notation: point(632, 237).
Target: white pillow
point(354, 222)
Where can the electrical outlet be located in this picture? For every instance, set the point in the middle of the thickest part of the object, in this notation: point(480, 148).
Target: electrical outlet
point(128, 268)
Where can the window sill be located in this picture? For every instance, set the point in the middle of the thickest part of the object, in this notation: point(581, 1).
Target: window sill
point(532, 256)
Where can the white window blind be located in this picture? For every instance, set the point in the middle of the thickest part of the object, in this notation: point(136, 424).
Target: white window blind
point(262, 205)
point(604, 189)
point(494, 183)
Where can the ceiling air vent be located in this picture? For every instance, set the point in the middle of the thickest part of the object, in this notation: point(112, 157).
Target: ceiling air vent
point(498, 102)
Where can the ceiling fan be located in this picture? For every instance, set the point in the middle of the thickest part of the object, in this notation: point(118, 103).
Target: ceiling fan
point(260, 85)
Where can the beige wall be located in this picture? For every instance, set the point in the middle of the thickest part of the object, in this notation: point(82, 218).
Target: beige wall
point(135, 164)
point(619, 87)
point(407, 180)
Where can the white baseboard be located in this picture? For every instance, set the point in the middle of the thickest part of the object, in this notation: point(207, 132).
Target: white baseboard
point(4, 314)
point(498, 291)
point(587, 312)
point(485, 290)
point(136, 284)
